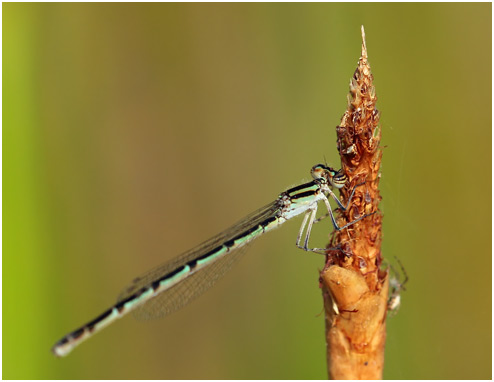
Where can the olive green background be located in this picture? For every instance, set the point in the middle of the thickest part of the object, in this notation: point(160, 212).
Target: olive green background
point(133, 132)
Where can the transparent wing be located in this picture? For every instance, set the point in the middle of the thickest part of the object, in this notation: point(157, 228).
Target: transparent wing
point(179, 295)
point(184, 292)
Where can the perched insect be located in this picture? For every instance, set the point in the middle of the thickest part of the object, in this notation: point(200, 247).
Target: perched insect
point(170, 286)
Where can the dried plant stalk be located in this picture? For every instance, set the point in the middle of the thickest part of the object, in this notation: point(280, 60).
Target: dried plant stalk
point(355, 289)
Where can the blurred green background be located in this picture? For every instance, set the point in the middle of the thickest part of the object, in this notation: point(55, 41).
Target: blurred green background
point(133, 132)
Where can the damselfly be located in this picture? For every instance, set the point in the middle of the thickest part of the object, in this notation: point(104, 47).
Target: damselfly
point(172, 285)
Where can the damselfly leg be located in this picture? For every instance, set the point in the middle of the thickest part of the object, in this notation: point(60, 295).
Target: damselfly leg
point(340, 206)
point(333, 179)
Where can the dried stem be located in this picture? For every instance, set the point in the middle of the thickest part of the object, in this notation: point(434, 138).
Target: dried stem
point(355, 289)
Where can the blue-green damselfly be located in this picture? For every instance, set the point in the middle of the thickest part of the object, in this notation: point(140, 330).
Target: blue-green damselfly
point(169, 287)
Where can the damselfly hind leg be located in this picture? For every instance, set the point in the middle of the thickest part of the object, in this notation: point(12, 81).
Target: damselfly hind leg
point(310, 219)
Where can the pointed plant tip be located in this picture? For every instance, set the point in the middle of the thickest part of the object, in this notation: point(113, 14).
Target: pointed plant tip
point(364, 47)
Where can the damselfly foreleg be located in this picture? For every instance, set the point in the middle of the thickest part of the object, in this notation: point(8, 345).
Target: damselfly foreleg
point(310, 219)
point(340, 205)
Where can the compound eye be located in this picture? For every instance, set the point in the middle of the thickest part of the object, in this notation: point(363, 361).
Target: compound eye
point(319, 171)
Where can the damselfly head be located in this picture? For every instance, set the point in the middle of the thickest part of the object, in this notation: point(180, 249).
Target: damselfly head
point(339, 179)
point(319, 171)
point(335, 178)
